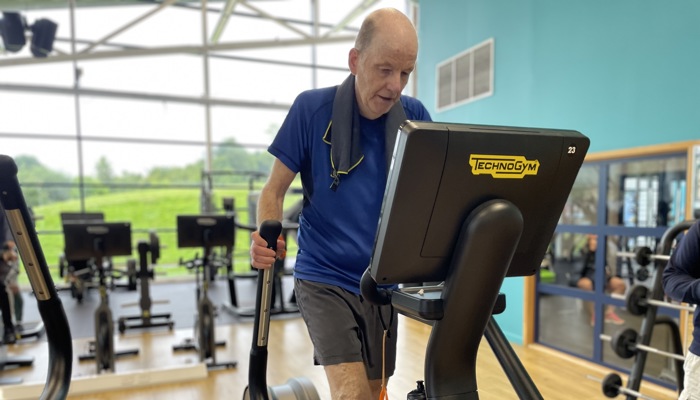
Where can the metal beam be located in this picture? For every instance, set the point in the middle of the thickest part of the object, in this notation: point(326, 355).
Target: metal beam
point(166, 50)
point(221, 56)
point(138, 20)
point(140, 96)
point(223, 20)
point(364, 5)
point(275, 19)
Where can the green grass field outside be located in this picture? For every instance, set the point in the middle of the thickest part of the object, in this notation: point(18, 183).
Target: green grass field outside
point(147, 210)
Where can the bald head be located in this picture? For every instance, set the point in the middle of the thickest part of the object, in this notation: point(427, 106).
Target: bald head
point(386, 24)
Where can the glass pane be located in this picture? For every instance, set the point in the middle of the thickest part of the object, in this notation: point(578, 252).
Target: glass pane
point(110, 162)
point(582, 205)
point(172, 75)
point(647, 193)
point(46, 114)
point(58, 156)
point(51, 74)
point(259, 82)
point(333, 54)
point(557, 312)
point(563, 261)
point(246, 126)
point(129, 118)
point(331, 78)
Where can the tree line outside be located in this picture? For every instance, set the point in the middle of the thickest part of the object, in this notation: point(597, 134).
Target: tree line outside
point(150, 202)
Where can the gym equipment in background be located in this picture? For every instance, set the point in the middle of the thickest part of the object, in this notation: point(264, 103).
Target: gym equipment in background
point(647, 302)
point(97, 240)
point(60, 365)
point(146, 319)
point(205, 231)
point(77, 272)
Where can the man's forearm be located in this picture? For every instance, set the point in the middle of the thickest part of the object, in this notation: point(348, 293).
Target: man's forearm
point(269, 206)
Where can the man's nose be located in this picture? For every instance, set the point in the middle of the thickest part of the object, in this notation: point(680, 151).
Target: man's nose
point(394, 83)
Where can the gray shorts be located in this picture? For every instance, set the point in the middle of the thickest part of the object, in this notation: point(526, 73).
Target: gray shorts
point(346, 328)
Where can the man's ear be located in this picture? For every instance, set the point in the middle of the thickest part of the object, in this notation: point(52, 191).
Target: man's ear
point(353, 60)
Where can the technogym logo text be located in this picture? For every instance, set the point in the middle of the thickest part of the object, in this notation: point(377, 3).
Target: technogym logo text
point(503, 167)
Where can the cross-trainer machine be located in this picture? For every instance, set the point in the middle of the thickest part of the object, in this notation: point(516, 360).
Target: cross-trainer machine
point(98, 240)
point(146, 319)
point(60, 364)
point(296, 388)
point(468, 205)
point(207, 232)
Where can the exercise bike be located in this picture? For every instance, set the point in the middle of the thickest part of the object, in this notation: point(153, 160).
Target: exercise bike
point(98, 240)
point(146, 319)
point(205, 232)
point(296, 388)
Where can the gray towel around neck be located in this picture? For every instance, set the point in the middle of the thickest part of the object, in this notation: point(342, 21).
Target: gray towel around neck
point(345, 136)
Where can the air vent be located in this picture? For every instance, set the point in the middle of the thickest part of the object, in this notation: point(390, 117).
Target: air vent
point(465, 77)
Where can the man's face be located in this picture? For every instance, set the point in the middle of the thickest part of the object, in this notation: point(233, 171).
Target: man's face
point(381, 72)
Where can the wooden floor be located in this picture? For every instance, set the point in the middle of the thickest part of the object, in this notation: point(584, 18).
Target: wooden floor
point(557, 376)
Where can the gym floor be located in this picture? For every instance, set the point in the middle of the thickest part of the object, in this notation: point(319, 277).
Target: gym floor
point(159, 373)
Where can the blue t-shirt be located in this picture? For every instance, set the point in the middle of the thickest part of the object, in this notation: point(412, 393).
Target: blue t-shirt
point(681, 277)
point(337, 228)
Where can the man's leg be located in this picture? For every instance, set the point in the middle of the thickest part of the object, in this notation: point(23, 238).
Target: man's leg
point(615, 285)
point(348, 381)
point(585, 283)
point(691, 381)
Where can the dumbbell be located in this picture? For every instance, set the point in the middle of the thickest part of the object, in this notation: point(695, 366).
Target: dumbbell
point(643, 255)
point(624, 344)
point(637, 301)
point(612, 387)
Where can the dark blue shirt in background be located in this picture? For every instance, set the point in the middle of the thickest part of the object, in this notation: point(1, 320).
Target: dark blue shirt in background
point(680, 278)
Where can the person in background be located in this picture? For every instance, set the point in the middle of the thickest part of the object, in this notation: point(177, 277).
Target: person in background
point(613, 283)
point(681, 282)
point(340, 140)
point(8, 263)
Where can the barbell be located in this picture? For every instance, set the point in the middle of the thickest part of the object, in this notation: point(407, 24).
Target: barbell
point(612, 387)
point(624, 344)
point(637, 301)
point(643, 255)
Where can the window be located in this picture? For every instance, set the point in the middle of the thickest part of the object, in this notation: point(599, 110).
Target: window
point(466, 77)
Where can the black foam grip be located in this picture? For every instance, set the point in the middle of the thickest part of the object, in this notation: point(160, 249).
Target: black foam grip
point(270, 230)
point(60, 349)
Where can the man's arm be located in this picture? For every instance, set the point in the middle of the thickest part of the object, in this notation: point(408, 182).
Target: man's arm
point(271, 201)
point(680, 277)
point(270, 205)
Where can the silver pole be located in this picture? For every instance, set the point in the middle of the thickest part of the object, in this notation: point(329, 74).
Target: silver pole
point(207, 106)
point(76, 97)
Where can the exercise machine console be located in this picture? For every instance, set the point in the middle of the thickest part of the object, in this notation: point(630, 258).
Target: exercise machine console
point(468, 205)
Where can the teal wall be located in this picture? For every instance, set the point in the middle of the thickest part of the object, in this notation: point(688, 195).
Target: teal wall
point(626, 73)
